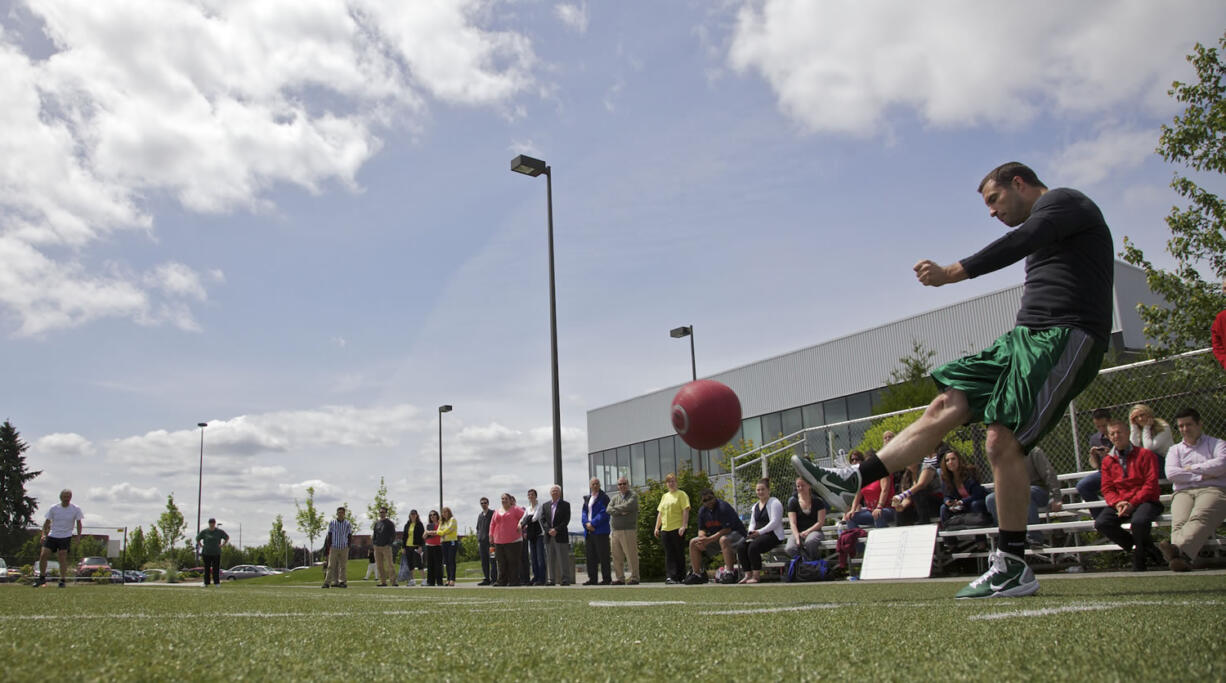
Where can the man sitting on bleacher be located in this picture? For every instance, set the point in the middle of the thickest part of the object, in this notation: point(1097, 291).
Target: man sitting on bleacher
point(1130, 486)
point(1196, 467)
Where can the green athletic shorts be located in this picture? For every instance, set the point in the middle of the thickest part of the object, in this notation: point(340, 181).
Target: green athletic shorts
point(1026, 378)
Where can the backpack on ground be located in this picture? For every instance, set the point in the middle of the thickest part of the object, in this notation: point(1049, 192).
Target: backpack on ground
point(800, 569)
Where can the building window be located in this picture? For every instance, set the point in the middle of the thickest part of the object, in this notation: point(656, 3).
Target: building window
point(637, 461)
point(751, 430)
point(772, 427)
point(793, 421)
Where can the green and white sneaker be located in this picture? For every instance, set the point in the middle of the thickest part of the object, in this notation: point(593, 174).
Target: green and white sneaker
point(838, 487)
point(1007, 577)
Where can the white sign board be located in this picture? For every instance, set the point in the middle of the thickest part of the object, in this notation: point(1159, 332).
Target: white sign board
point(903, 552)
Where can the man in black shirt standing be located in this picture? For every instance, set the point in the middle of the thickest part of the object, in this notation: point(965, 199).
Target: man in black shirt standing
point(383, 537)
point(1020, 386)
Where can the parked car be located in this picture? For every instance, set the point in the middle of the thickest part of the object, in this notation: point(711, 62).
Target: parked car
point(245, 571)
point(4, 572)
point(154, 574)
point(88, 565)
point(117, 576)
point(133, 576)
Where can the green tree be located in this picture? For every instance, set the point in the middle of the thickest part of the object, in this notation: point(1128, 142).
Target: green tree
point(88, 546)
point(310, 521)
point(17, 508)
point(381, 500)
point(1197, 140)
point(909, 385)
point(651, 553)
point(171, 523)
point(468, 550)
point(154, 544)
point(138, 553)
point(278, 544)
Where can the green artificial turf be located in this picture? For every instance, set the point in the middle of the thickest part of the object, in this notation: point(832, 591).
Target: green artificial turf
point(1156, 627)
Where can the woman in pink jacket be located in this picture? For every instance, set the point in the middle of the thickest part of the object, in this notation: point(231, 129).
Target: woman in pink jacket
point(508, 544)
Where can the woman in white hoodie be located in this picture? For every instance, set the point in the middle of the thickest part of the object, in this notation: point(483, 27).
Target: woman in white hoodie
point(1149, 432)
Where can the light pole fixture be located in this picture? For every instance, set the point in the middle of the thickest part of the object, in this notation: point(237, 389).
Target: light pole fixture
point(446, 408)
point(535, 167)
point(686, 331)
point(199, 484)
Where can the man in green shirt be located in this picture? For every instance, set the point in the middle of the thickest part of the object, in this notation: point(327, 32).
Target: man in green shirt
point(210, 541)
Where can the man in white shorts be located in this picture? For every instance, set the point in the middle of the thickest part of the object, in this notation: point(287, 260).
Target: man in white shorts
point(57, 535)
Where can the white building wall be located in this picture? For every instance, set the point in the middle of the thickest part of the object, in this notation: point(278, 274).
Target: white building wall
point(851, 364)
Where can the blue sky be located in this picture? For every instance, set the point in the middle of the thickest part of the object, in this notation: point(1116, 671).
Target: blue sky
point(296, 221)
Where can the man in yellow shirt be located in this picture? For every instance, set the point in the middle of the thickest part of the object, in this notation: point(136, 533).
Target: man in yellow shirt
point(672, 519)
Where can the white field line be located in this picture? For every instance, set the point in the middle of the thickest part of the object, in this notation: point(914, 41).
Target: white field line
point(772, 610)
point(633, 603)
point(205, 615)
point(1085, 607)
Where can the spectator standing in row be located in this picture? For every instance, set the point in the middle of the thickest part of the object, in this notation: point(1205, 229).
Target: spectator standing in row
point(720, 532)
point(1196, 467)
point(508, 544)
point(1130, 486)
point(450, 542)
point(1044, 491)
point(336, 544)
point(806, 517)
point(57, 535)
point(1089, 487)
point(210, 541)
point(382, 538)
point(624, 536)
point(765, 531)
point(434, 550)
point(489, 571)
point(534, 540)
point(595, 519)
point(414, 538)
point(672, 520)
point(557, 539)
point(1149, 432)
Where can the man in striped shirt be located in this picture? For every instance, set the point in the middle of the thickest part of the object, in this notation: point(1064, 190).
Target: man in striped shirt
point(336, 545)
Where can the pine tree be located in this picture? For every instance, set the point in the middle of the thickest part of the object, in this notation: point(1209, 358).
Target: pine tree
point(17, 508)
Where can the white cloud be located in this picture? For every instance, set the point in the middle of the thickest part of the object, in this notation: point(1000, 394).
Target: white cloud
point(1087, 162)
point(68, 444)
point(573, 15)
point(276, 432)
point(212, 104)
point(123, 493)
point(842, 66)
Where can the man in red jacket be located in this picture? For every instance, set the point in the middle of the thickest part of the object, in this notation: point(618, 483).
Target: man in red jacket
point(1130, 487)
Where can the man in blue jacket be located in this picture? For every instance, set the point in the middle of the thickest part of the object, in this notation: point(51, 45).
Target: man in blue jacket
point(595, 520)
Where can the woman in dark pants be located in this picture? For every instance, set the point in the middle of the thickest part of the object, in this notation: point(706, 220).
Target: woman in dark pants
point(765, 531)
point(434, 550)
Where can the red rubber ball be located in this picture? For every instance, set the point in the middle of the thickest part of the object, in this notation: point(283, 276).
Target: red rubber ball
point(706, 414)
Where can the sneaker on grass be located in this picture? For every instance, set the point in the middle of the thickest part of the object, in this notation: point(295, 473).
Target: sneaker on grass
point(838, 487)
point(1007, 576)
point(695, 578)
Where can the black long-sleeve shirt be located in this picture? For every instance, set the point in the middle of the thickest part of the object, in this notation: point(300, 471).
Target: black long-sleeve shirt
point(1069, 264)
point(385, 532)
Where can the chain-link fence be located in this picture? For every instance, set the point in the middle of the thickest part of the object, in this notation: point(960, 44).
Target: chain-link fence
point(1193, 379)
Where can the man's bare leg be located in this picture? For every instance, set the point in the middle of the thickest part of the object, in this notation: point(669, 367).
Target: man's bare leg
point(946, 412)
point(42, 560)
point(839, 487)
point(1009, 473)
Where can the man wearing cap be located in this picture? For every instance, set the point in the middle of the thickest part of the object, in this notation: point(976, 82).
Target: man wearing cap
point(384, 536)
point(209, 542)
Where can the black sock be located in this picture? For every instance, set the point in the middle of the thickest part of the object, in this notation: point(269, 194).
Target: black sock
point(871, 470)
point(1013, 542)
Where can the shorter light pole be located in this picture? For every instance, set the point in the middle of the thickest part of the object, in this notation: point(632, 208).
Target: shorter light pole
point(445, 408)
point(686, 331)
point(199, 486)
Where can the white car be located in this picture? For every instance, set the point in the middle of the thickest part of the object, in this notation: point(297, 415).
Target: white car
point(4, 571)
point(245, 571)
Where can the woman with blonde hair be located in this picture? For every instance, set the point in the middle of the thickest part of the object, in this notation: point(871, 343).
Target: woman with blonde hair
point(451, 542)
point(1149, 432)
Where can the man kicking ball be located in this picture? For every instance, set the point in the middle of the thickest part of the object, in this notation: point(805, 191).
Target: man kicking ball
point(1020, 386)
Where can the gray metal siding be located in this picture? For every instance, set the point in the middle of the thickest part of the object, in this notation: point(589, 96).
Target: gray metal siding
point(839, 367)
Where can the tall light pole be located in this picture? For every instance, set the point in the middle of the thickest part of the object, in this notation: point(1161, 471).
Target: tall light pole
point(535, 167)
point(199, 483)
point(446, 408)
point(686, 331)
